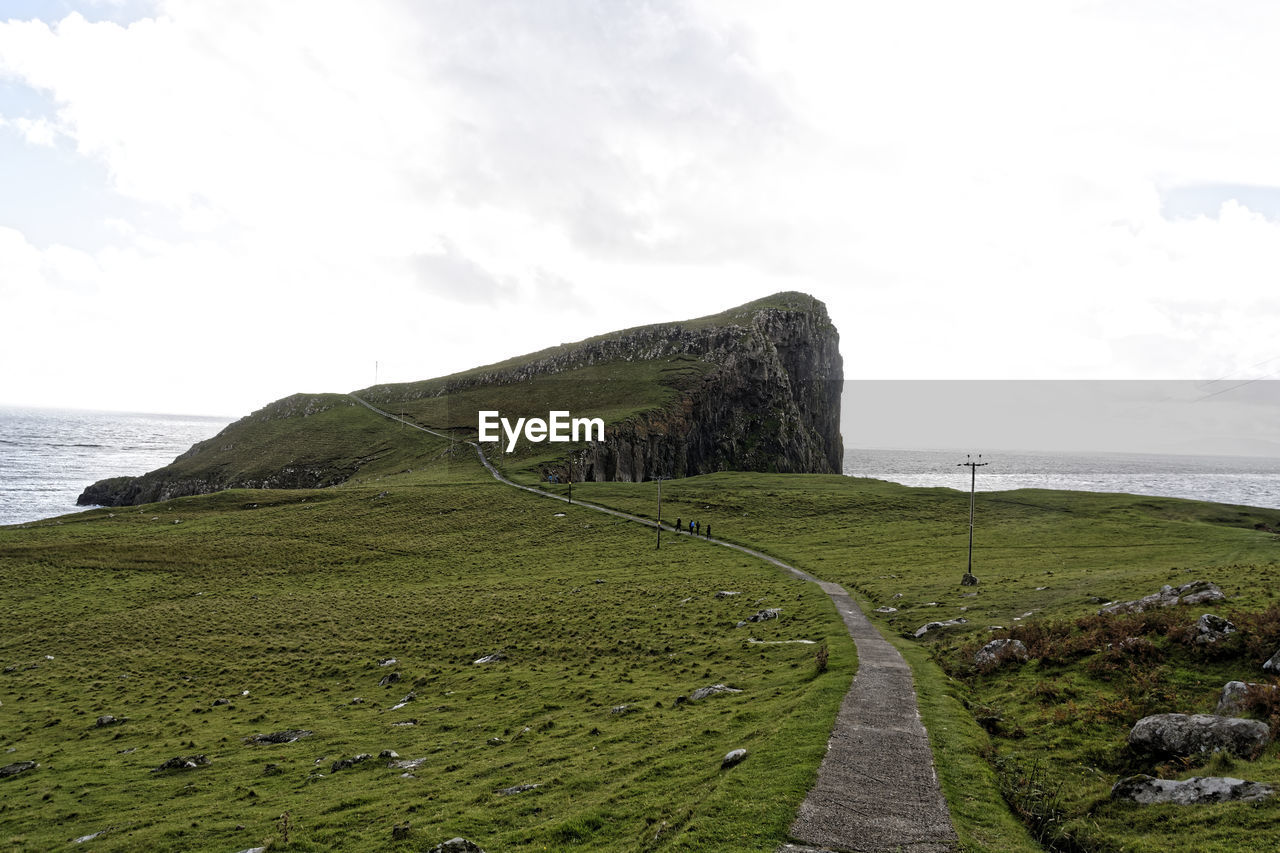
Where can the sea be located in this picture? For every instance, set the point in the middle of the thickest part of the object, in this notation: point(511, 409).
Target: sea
point(48, 457)
point(1251, 481)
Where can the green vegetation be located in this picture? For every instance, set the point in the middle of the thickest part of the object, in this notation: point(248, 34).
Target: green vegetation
point(1055, 728)
point(154, 614)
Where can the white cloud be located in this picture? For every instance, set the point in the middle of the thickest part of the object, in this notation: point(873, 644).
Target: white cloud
point(977, 190)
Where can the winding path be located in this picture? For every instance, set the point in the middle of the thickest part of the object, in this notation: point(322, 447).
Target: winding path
point(877, 791)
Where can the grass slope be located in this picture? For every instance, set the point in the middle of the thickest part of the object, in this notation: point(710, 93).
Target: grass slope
point(295, 597)
point(1055, 729)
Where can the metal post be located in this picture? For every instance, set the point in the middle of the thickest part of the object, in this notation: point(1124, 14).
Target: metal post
point(973, 467)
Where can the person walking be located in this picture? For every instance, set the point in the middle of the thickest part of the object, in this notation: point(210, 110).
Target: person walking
point(695, 528)
point(677, 525)
point(708, 531)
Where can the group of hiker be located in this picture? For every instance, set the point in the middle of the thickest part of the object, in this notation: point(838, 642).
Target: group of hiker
point(693, 528)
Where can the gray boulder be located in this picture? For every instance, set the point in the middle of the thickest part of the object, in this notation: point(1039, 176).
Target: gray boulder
point(456, 845)
point(998, 652)
point(344, 763)
point(1273, 664)
point(1211, 629)
point(14, 769)
point(704, 692)
point(1196, 592)
point(1231, 702)
point(1190, 734)
point(183, 762)
point(764, 615)
point(732, 757)
point(934, 626)
point(286, 736)
point(1194, 791)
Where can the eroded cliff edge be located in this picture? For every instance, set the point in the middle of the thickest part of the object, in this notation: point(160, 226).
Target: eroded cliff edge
point(765, 397)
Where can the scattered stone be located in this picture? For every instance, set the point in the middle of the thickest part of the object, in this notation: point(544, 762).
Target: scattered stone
point(412, 722)
point(765, 615)
point(495, 741)
point(388, 753)
point(1196, 592)
point(82, 839)
point(1231, 702)
point(516, 789)
point(410, 764)
point(623, 709)
point(493, 658)
point(727, 593)
point(357, 700)
point(14, 769)
point(704, 692)
point(286, 736)
point(1211, 629)
point(1194, 791)
point(1041, 588)
point(400, 831)
point(999, 652)
point(1183, 734)
point(388, 662)
point(1273, 664)
point(183, 762)
point(558, 515)
point(107, 720)
point(389, 679)
point(934, 626)
point(968, 580)
point(456, 845)
point(895, 596)
point(732, 757)
point(344, 763)
point(409, 697)
point(780, 642)
point(886, 609)
point(254, 849)
point(217, 703)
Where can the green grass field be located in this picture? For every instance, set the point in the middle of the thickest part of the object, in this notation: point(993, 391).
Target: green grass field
point(284, 603)
point(295, 597)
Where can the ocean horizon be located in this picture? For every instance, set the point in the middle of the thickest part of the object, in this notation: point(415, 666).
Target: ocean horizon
point(49, 456)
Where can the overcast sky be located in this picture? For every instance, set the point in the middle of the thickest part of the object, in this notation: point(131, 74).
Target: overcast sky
point(205, 206)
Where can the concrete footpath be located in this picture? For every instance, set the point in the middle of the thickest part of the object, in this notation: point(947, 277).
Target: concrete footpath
point(877, 791)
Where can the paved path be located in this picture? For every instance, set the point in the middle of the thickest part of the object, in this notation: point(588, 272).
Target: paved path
point(876, 791)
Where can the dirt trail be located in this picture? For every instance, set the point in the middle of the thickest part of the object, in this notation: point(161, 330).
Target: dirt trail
point(877, 791)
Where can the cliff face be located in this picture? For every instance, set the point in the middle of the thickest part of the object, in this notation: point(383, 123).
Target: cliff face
point(770, 403)
point(765, 396)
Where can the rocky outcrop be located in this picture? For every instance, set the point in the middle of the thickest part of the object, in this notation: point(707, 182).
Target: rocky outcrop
point(998, 652)
point(1191, 734)
point(1196, 592)
point(229, 460)
point(756, 388)
point(1197, 790)
point(770, 400)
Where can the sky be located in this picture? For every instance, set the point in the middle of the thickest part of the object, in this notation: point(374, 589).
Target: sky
point(205, 206)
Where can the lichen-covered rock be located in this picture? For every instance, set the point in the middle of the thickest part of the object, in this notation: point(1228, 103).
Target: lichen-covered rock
point(1232, 701)
point(1196, 592)
point(934, 626)
point(1210, 629)
point(286, 736)
point(998, 652)
point(456, 845)
point(17, 768)
point(713, 690)
point(182, 762)
point(344, 763)
point(1191, 734)
point(1197, 790)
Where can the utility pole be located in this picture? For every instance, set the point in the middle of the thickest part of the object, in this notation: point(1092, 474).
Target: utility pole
point(973, 466)
point(375, 373)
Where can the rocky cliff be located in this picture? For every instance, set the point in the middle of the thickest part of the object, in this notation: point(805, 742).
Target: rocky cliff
point(770, 400)
point(765, 396)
